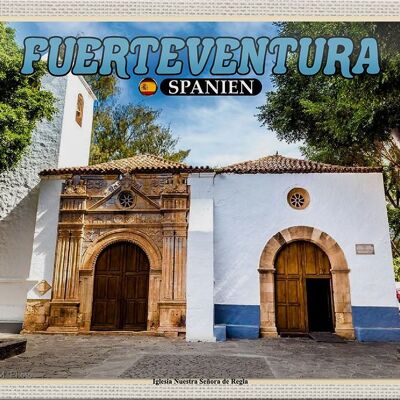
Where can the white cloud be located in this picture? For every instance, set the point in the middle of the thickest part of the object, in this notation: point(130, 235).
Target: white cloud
point(223, 131)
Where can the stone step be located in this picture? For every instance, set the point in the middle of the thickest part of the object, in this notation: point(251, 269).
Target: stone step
point(11, 347)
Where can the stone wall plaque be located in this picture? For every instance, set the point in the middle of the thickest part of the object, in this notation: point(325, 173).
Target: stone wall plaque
point(366, 249)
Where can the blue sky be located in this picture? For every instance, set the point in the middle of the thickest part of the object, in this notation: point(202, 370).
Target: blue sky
point(218, 130)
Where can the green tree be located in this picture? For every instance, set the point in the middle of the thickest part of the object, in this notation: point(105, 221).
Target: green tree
point(121, 131)
point(22, 101)
point(396, 264)
point(104, 87)
point(344, 121)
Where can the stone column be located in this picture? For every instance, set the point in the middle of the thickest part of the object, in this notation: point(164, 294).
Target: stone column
point(172, 305)
point(342, 303)
point(154, 298)
point(179, 282)
point(267, 303)
point(61, 264)
point(64, 306)
point(168, 264)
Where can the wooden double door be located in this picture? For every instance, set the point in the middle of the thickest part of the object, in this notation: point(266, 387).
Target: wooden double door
point(303, 292)
point(121, 288)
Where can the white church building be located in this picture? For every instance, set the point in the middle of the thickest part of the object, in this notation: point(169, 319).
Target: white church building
point(275, 246)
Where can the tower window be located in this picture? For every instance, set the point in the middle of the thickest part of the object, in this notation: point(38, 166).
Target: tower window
point(79, 110)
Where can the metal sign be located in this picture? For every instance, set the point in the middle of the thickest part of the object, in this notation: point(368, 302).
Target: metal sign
point(365, 249)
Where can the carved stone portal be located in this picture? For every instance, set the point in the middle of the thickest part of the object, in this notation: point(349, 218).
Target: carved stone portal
point(152, 213)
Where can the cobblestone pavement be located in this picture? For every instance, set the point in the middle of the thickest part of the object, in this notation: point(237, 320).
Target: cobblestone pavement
point(121, 356)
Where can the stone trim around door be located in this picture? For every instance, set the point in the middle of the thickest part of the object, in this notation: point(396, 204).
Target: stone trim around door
point(86, 273)
point(340, 278)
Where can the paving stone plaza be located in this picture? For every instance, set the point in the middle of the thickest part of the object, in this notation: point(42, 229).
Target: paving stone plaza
point(123, 356)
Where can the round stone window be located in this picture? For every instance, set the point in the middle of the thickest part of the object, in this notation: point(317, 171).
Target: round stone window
point(126, 199)
point(298, 198)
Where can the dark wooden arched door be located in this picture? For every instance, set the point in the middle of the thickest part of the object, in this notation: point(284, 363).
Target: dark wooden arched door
point(303, 291)
point(121, 288)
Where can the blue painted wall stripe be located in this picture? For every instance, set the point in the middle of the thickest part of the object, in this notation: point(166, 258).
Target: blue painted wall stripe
point(232, 314)
point(370, 323)
point(241, 321)
point(376, 317)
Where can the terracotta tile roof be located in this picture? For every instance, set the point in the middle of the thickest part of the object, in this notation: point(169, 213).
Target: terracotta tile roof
point(143, 162)
point(278, 164)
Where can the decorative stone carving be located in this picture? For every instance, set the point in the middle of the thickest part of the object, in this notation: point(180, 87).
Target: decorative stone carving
point(130, 218)
point(91, 235)
point(154, 187)
point(128, 181)
point(176, 184)
point(71, 188)
point(72, 218)
point(95, 185)
point(42, 287)
point(156, 235)
point(80, 188)
point(90, 220)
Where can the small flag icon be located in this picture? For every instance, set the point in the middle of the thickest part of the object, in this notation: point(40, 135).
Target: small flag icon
point(148, 87)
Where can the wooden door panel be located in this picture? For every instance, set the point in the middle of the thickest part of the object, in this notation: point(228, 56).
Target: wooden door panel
point(281, 311)
point(142, 284)
point(117, 258)
point(292, 260)
point(120, 295)
point(100, 288)
point(293, 289)
point(102, 262)
point(293, 318)
point(293, 264)
point(136, 291)
point(99, 312)
point(112, 314)
point(136, 315)
point(113, 283)
point(280, 288)
point(280, 264)
point(310, 261)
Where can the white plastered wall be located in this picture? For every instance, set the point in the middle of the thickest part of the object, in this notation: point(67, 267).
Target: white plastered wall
point(200, 260)
point(44, 244)
point(74, 151)
point(75, 139)
point(60, 142)
point(249, 209)
point(19, 193)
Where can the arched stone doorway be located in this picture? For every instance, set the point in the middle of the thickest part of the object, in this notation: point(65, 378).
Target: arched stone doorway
point(303, 295)
point(121, 288)
point(342, 318)
point(88, 271)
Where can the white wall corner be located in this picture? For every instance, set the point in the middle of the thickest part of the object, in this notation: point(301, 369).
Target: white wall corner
point(45, 238)
point(200, 268)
